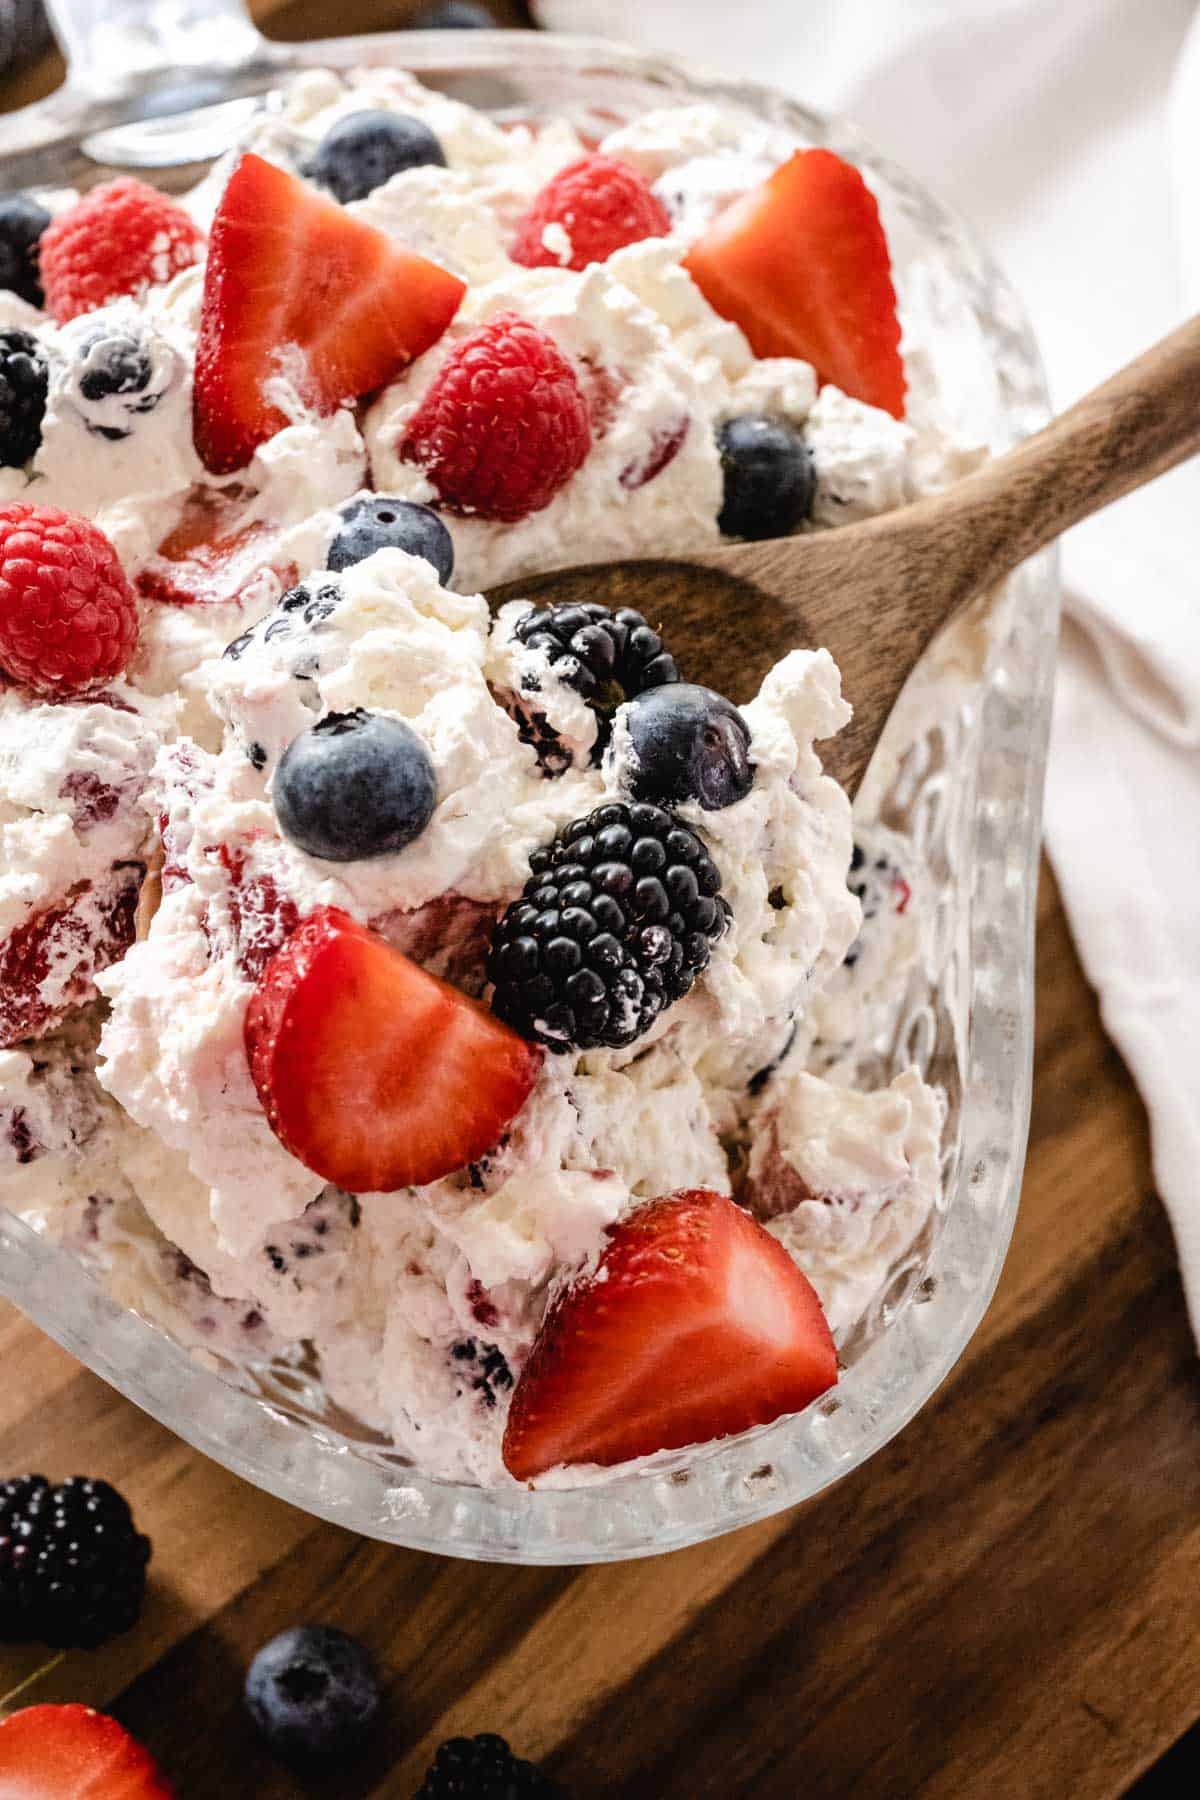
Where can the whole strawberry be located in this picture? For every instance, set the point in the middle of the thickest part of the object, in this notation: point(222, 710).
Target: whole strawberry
point(505, 423)
point(601, 204)
point(120, 239)
point(68, 617)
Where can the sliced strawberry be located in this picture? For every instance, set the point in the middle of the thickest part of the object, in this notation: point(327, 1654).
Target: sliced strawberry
point(802, 265)
point(48, 963)
point(696, 1324)
point(374, 1073)
point(73, 1753)
point(212, 557)
point(188, 774)
point(296, 286)
point(664, 446)
point(262, 918)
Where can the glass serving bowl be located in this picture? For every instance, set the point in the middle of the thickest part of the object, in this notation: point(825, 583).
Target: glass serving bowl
point(959, 773)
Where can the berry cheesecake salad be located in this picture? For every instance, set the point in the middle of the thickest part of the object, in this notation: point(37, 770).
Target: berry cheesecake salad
point(461, 1002)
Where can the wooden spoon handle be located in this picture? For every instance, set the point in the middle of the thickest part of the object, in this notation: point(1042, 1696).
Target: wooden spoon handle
point(1133, 427)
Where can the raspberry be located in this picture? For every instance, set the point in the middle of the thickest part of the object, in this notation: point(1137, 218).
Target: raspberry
point(601, 204)
point(504, 425)
point(68, 618)
point(120, 239)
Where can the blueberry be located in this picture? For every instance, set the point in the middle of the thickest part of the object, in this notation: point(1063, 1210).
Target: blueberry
point(378, 522)
point(22, 222)
point(365, 149)
point(118, 373)
point(235, 650)
point(769, 477)
point(24, 376)
point(453, 15)
point(689, 744)
point(117, 364)
point(357, 785)
point(313, 1692)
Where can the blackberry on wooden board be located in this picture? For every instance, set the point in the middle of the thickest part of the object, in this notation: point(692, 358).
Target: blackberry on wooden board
point(484, 1768)
point(72, 1564)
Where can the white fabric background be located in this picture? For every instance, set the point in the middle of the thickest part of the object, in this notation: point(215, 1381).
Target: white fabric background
point(1068, 133)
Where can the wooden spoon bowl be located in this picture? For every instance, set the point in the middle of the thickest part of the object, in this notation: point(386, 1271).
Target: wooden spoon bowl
point(876, 594)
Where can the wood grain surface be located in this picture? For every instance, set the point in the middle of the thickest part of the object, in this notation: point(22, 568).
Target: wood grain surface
point(1003, 1605)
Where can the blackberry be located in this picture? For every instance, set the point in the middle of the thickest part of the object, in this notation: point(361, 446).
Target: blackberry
point(484, 1768)
point(24, 377)
point(22, 222)
point(617, 919)
point(72, 1566)
point(606, 657)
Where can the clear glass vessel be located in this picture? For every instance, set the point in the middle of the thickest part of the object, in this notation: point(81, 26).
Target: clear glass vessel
point(960, 773)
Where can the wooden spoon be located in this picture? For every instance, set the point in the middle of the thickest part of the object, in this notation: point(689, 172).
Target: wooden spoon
point(875, 594)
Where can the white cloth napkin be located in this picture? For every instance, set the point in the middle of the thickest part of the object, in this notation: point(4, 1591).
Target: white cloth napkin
point(1068, 133)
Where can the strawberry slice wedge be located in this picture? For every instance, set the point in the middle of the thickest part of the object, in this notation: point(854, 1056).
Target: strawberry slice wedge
point(801, 263)
point(696, 1324)
point(73, 1753)
point(210, 559)
point(296, 286)
point(373, 1072)
point(48, 963)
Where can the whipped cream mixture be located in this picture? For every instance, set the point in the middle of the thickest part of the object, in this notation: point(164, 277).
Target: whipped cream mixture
point(129, 1123)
